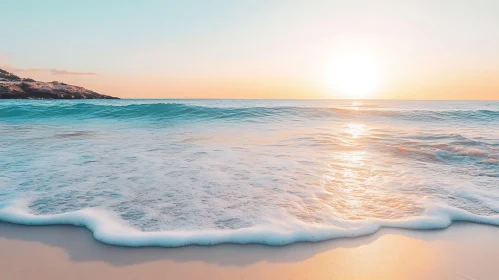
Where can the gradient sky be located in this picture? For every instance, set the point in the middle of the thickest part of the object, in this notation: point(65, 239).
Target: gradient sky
point(252, 48)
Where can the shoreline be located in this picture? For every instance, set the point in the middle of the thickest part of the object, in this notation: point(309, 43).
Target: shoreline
point(109, 231)
point(462, 251)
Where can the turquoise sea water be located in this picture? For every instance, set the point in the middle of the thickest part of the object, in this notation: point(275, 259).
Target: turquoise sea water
point(179, 172)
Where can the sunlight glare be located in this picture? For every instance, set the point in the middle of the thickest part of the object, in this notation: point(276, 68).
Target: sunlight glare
point(353, 75)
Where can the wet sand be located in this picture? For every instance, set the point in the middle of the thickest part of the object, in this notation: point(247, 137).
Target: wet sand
point(463, 251)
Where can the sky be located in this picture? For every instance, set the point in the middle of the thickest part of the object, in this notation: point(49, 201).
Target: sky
point(391, 49)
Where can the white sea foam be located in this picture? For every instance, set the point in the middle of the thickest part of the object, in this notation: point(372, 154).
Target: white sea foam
point(110, 231)
point(168, 173)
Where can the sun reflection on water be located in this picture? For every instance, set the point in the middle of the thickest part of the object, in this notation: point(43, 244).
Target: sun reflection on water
point(354, 185)
point(356, 129)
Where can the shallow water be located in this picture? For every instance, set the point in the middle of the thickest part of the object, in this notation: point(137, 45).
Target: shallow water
point(178, 172)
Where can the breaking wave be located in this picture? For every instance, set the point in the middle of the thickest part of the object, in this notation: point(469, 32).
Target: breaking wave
point(179, 111)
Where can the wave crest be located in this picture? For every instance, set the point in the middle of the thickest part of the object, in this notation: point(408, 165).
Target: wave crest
point(178, 111)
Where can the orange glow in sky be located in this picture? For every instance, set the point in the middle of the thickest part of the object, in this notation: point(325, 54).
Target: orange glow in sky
point(259, 49)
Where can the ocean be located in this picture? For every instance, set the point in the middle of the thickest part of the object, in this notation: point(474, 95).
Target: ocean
point(181, 172)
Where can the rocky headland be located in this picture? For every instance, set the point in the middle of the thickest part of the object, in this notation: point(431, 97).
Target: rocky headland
point(14, 87)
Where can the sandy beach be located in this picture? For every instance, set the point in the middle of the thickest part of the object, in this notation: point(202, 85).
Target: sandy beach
point(463, 251)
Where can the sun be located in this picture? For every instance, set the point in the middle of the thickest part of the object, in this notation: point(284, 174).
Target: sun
point(353, 75)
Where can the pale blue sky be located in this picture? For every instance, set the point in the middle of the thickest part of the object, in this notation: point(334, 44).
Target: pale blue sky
point(250, 40)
